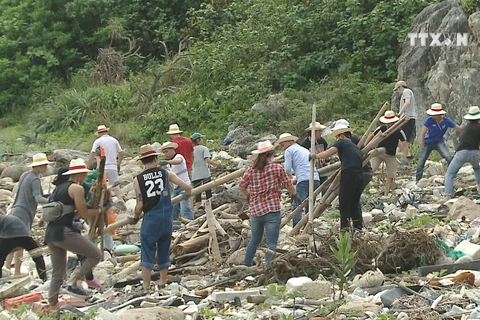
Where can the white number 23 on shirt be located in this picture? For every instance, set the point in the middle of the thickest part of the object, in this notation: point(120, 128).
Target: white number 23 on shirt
point(150, 184)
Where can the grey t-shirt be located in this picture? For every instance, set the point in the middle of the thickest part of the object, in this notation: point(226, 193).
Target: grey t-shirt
point(12, 227)
point(25, 205)
point(200, 166)
point(411, 112)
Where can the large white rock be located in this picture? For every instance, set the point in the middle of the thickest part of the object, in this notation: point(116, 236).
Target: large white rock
point(295, 284)
point(316, 289)
point(464, 207)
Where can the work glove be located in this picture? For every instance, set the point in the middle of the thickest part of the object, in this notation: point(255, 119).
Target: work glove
point(312, 156)
point(295, 199)
point(133, 220)
point(162, 163)
point(186, 196)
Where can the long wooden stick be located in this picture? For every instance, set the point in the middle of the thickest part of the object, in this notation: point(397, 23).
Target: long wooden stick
point(213, 184)
point(373, 124)
point(311, 181)
point(213, 233)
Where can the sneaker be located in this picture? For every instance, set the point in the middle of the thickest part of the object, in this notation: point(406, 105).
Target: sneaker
point(77, 292)
point(93, 284)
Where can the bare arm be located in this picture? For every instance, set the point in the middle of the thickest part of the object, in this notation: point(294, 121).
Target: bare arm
point(291, 190)
point(77, 193)
point(120, 156)
point(459, 130)
point(405, 107)
point(139, 197)
point(327, 153)
point(179, 182)
point(422, 136)
point(91, 156)
point(175, 161)
point(245, 192)
point(211, 162)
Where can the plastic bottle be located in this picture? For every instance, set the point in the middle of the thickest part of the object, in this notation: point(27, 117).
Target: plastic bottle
point(360, 292)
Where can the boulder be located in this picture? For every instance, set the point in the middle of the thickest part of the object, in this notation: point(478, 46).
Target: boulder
point(7, 183)
point(433, 168)
point(464, 207)
point(275, 103)
point(155, 313)
point(62, 157)
point(14, 172)
point(445, 74)
point(2, 167)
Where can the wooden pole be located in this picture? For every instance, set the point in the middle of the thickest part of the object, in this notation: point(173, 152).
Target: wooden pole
point(372, 124)
point(213, 184)
point(311, 181)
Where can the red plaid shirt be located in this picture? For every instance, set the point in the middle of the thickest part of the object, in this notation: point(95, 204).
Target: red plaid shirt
point(265, 188)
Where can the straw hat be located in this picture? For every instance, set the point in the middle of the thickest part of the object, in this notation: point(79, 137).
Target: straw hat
point(339, 129)
point(147, 150)
point(400, 84)
point(168, 145)
point(473, 113)
point(39, 159)
point(263, 146)
point(285, 137)
point(436, 109)
point(101, 128)
point(318, 126)
point(76, 166)
point(342, 122)
point(174, 129)
point(389, 117)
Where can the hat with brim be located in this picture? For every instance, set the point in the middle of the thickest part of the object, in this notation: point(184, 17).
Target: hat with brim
point(76, 166)
point(339, 130)
point(147, 150)
point(169, 145)
point(39, 159)
point(196, 136)
point(473, 113)
point(318, 126)
point(263, 146)
point(101, 129)
point(285, 137)
point(436, 109)
point(389, 117)
point(174, 129)
point(342, 122)
point(400, 84)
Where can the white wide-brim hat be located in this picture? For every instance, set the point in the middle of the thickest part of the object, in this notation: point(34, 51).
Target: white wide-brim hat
point(263, 146)
point(169, 145)
point(473, 113)
point(389, 117)
point(285, 137)
point(436, 109)
point(174, 129)
point(339, 129)
point(76, 166)
point(39, 159)
point(101, 128)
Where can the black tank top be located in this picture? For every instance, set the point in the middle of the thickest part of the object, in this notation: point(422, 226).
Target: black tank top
point(153, 185)
point(55, 230)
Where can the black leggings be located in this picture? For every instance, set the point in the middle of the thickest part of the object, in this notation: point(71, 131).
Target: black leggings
point(27, 243)
point(197, 183)
point(351, 187)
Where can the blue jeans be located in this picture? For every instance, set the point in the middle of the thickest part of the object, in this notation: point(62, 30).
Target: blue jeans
point(460, 158)
point(425, 153)
point(183, 207)
point(271, 223)
point(302, 193)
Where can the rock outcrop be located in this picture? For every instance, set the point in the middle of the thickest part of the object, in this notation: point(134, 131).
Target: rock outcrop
point(447, 74)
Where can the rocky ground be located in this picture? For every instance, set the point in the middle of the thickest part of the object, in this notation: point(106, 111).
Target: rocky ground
point(416, 259)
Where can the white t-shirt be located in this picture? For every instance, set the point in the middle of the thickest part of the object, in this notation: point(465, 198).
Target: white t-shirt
point(180, 169)
point(112, 148)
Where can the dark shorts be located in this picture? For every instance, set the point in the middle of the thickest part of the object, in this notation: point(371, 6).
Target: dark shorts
point(410, 130)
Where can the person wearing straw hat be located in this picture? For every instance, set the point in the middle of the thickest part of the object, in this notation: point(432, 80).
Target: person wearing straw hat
point(351, 178)
point(262, 185)
point(177, 164)
point(61, 236)
point(201, 172)
point(468, 151)
point(409, 109)
point(29, 196)
point(185, 146)
point(432, 137)
point(320, 145)
point(113, 157)
point(154, 200)
point(390, 144)
point(297, 160)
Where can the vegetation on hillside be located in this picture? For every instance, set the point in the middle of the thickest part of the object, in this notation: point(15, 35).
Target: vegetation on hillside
point(201, 64)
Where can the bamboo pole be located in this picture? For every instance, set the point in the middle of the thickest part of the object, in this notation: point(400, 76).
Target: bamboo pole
point(212, 232)
point(372, 124)
point(311, 181)
point(213, 184)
